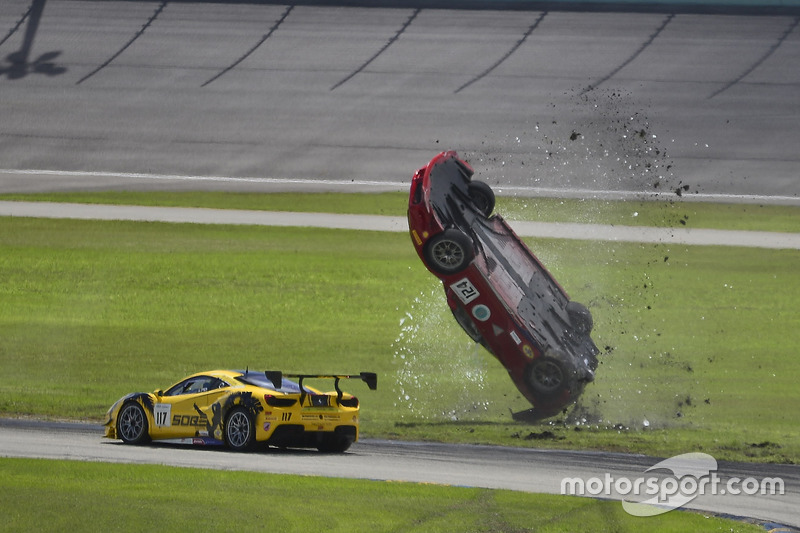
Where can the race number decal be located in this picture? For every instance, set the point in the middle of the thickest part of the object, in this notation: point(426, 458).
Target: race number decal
point(465, 291)
point(162, 412)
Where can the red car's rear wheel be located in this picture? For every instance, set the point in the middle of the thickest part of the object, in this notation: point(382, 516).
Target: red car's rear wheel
point(482, 196)
point(546, 377)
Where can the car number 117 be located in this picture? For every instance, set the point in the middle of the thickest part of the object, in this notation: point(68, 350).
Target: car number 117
point(161, 412)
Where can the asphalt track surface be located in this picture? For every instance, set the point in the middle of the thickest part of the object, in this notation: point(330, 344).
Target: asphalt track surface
point(263, 97)
point(258, 96)
point(527, 470)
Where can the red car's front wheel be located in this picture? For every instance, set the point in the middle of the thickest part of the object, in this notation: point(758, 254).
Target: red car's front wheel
point(449, 252)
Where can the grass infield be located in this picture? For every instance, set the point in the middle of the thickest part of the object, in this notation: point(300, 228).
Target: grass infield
point(112, 497)
point(698, 342)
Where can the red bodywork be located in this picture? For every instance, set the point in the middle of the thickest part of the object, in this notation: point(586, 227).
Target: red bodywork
point(504, 298)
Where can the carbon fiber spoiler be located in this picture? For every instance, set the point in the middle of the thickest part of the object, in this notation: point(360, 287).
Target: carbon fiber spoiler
point(276, 377)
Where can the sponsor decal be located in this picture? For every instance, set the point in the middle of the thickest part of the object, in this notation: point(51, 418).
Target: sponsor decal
point(267, 425)
point(481, 312)
point(200, 440)
point(323, 416)
point(190, 420)
point(527, 351)
point(515, 337)
point(416, 237)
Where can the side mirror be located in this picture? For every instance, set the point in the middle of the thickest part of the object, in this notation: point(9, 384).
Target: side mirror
point(159, 392)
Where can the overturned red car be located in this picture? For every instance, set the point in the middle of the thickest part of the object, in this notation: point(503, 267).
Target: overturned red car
point(499, 292)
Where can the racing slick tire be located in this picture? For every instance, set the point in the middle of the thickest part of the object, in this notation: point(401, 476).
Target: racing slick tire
point(580, 318)
point(132, 425)
point(239, 431)
point(449, 252)
point(547, 377)
point(482, 196)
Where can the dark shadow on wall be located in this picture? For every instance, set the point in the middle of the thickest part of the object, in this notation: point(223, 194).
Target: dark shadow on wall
point(18, 64)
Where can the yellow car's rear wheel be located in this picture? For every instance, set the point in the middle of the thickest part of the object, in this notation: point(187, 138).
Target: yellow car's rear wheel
point(132, 426)
point(240, 431)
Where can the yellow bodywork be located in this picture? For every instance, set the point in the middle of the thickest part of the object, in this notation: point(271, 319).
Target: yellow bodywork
point(193, 413)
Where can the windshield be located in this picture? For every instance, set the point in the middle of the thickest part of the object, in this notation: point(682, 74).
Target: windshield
point(196, 385)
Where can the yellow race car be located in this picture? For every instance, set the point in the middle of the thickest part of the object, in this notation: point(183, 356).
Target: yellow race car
point(240, 409)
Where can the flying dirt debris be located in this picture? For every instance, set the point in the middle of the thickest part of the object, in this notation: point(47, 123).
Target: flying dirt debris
point(499, 292)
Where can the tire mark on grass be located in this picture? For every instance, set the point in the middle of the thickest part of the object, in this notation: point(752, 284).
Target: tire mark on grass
point(760, 60)
point(127, 45)
point(505, 56)
point(254, 48)
point(628, 61)
point(379, 52)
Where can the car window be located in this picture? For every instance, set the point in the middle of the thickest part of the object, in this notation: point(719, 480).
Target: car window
point(196, 385)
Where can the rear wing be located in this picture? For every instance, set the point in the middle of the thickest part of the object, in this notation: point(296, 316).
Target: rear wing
point(276, 377)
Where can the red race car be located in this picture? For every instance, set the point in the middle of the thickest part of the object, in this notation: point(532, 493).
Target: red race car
point(499, 292)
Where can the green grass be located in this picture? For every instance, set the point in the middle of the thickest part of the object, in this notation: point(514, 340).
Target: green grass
point(111, 497)
point(699, 342)
point(665, 213)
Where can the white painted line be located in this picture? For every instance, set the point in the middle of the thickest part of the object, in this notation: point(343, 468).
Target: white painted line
point(176, 177)
point(640, 196)
point(501, 190)
point(654, 235)
point(554, 230)
point(201, 216)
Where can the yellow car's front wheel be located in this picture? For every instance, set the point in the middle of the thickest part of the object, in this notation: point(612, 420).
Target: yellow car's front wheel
point(132, 426)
